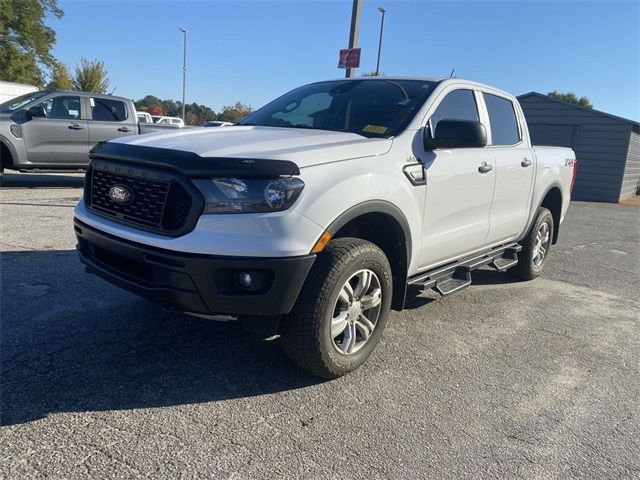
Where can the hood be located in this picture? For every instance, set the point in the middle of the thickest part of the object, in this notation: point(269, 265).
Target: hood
point(304, 147)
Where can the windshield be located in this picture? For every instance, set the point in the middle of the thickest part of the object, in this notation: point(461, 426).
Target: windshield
point(18, 102)
point(372, 108)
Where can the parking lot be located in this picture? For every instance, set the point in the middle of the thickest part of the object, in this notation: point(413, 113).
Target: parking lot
point(533, 379)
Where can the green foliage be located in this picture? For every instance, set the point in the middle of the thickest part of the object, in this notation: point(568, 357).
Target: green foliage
point(195, 114)
point(372, 74)
point(60, 78)
point(90, 77)
point(234, 113)
point(25, 41)
point(571, 97)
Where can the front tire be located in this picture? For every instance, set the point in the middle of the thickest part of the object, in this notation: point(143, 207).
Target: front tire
point(342, 309)
point(535, 247)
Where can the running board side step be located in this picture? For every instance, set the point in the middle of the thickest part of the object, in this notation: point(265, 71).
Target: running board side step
point(456, 276)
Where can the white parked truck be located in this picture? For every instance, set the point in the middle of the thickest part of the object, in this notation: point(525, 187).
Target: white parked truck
point(311, 217)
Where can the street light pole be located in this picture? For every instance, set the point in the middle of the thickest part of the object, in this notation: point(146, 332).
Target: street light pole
point(354, 31)
point(383, 11)
point(184, 69)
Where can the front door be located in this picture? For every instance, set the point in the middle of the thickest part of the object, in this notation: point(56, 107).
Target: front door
point(460, 184)
point(61, 136)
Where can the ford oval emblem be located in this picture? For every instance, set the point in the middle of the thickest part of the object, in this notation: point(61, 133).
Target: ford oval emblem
point(121, 194)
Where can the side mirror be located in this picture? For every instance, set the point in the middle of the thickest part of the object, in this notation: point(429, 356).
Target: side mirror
point(36, 112)
point(456, 134)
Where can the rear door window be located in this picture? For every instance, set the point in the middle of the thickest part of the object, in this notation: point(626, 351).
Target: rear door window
point(108, 110)
point(502, 117)
point(457, 105)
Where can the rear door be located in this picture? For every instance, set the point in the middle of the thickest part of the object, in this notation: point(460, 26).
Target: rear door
point(110, 118)
point(515, 168)
point(61, 136)
point(459, 192)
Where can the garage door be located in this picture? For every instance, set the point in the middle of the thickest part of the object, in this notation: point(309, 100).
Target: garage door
point(552, 135)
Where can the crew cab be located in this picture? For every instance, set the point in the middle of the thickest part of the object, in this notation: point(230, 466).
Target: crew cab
point(55, 129)
point(311, 217)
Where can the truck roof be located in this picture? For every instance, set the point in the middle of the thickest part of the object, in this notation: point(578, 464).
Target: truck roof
point(89, 94)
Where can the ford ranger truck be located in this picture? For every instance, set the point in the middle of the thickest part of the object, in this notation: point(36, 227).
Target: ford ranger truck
point(311, 217)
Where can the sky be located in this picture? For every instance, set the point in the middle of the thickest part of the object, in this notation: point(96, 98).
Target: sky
point(253, 51)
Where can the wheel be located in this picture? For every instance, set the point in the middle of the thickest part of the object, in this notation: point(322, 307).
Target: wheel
point(535, 247)
point(342, 309)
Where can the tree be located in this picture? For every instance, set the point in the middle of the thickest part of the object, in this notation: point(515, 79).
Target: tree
point(372, 74)
point(234, 113)
point(60, 78)
point(25, 41)
point(154, 110)
point(571, 97)
point(91, 77)
point(194, 114)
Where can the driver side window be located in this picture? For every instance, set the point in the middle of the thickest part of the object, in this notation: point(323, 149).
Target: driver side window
point(457, 105)
point(63, 107)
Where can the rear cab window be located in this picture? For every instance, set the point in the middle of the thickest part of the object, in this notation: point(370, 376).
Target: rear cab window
point(503, 120)
point(108, 110)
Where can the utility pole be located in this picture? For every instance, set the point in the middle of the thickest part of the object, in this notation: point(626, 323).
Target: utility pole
point(382, 11)
point(184, 70)
point(355, 30)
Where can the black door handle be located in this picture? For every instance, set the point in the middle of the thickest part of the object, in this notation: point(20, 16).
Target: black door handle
point(124, 129)
point(485, 168)
point(525, 162)
point(75, 126)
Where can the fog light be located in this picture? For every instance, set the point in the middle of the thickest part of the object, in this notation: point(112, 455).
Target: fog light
point(244, 279)
point(249, 280)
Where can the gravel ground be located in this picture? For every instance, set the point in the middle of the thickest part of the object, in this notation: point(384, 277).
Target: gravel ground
point(505, 379)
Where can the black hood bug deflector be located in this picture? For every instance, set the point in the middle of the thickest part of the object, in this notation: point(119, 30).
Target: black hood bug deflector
point(191, 164)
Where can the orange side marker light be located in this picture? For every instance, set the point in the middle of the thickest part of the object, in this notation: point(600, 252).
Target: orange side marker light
point(322, 242)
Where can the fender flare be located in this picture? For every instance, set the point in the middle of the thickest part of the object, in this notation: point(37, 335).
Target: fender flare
point(386, 208)
point(532, 215)
point(375, 206)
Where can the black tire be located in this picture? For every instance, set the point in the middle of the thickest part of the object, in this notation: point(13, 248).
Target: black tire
point(527, 268)
point(306, 331)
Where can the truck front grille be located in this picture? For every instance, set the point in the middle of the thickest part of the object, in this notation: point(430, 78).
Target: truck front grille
point(159, 202)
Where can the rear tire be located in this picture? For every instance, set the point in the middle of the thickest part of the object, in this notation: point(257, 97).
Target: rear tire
point(342, 309)
point(535, 247)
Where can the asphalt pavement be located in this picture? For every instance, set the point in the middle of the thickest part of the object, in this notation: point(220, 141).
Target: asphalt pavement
point(510, 379)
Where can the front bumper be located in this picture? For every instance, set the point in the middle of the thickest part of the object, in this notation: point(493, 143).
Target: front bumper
point(194, 283)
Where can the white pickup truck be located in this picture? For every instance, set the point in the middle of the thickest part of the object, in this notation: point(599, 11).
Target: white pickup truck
point(311, 217)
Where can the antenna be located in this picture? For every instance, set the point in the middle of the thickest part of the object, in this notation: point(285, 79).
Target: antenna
point(114, 89)
point(452, 72)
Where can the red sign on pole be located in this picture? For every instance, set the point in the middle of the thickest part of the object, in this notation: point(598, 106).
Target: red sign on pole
point(349, 58)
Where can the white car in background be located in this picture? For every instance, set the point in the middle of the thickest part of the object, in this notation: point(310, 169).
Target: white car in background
point(144, 117)
point(160, 120)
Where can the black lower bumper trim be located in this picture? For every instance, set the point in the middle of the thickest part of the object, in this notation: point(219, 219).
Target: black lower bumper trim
point(193, 282)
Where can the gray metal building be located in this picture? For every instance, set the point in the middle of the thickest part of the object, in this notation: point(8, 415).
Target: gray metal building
point(607, 147)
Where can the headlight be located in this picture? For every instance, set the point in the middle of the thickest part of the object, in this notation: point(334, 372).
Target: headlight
point(236, 195)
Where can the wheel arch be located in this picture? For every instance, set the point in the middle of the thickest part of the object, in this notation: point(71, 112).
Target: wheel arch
point(552, 201)
point(383, 224)
point(6, 154)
